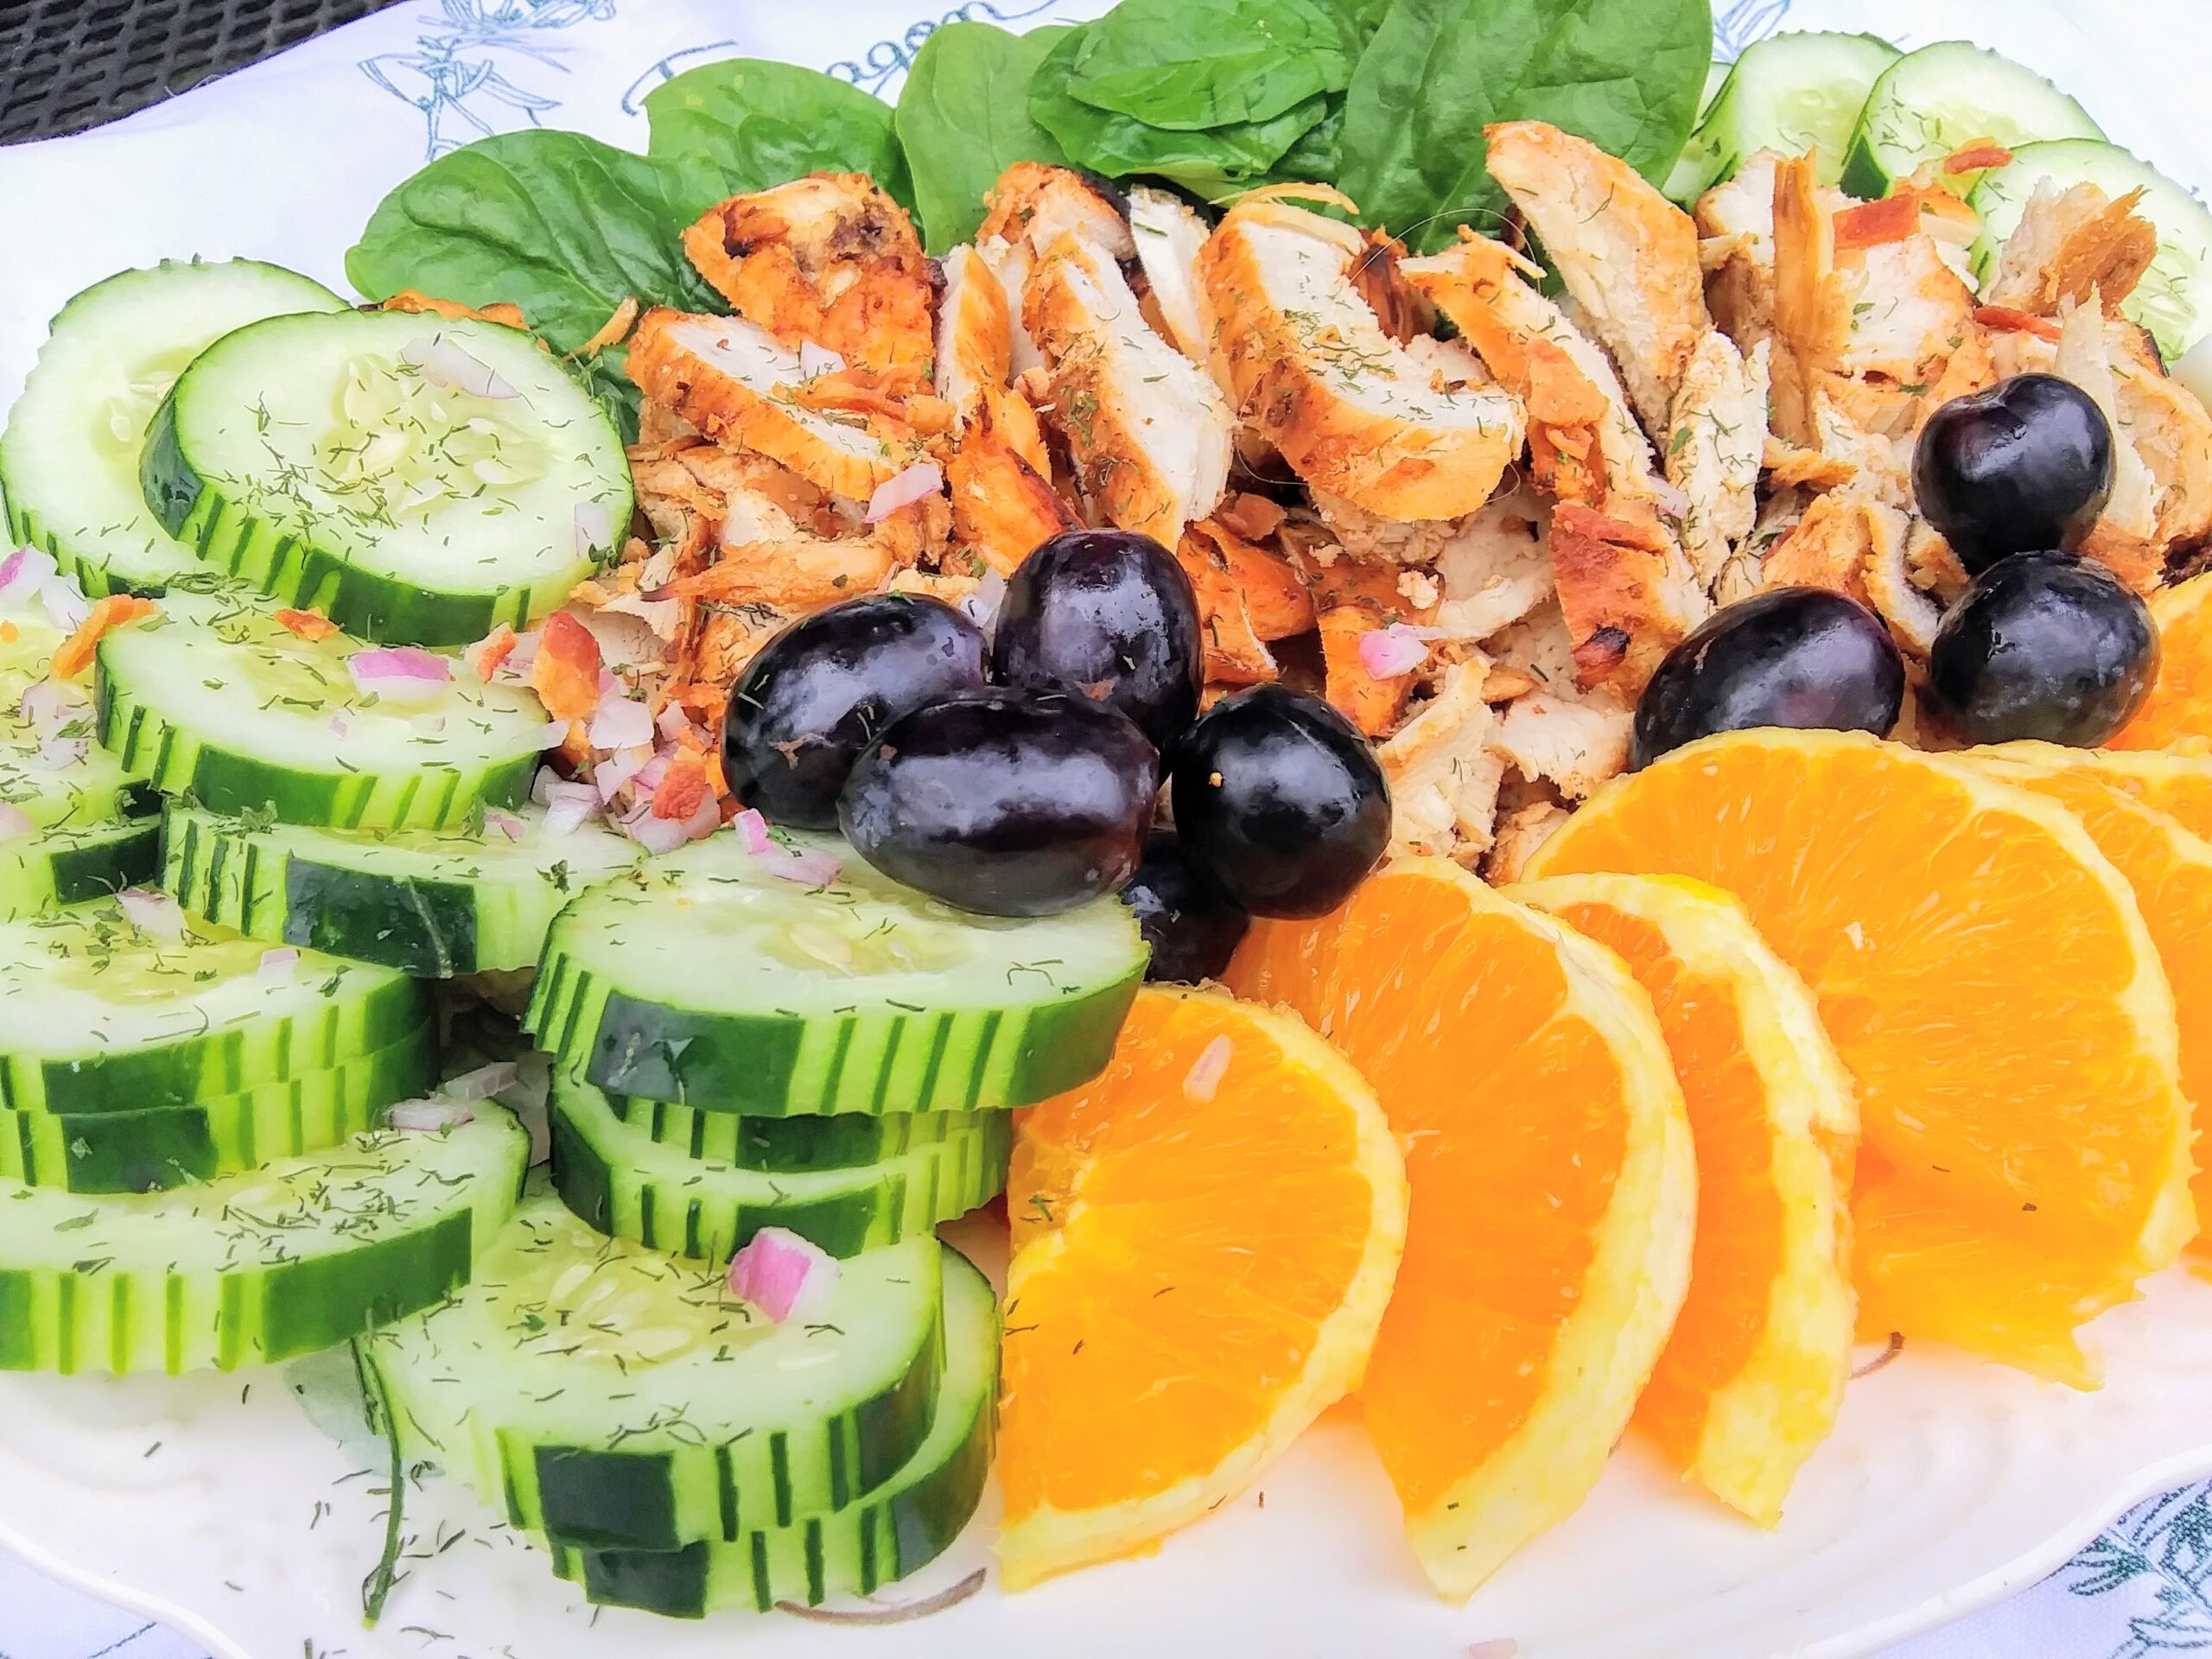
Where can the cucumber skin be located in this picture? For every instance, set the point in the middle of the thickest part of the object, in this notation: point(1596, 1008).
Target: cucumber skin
point(795, 1145)
point(666, 1496)
point(852, 1551)
point(772, 1065)
point(164, 1147)
point(36, 878)
point(184, 1073)
point(176, 763)
point(687, 1217)
point(26, 529)
point(1864, 175)
point(230, 538)
point(93, 1318)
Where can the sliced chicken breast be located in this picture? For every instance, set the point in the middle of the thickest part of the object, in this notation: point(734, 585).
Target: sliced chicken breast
point(1169, 234)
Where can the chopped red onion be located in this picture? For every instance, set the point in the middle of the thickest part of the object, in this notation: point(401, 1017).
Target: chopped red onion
point(811, 868)
point(542, 785)
point(673, 722)
point(705, 819)
point(553, 734)
point(814, 360)
point(917, 483)
point(49, 706)
point(505, 822)
point(782, 1274)
point(1502, 1646)
point(275, 966)
point(60, 753)
point(752, 831)
point(425, 1116)
point(1387, 652)
point(571, 805)
point(482, 1083)
point(155, 914)
point(65, 602)
point(443, 363)
point(652, 771)
point(609, 775)
point(656, 835)
point(14, 825)
point(22, 574)
point(520, 660)
point(1204, 1079)
point(593, 528)
point(400, 673)
point(618, 723)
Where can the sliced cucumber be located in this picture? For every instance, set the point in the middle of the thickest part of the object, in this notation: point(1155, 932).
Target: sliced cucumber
point(217, 700)
point(69, 459)
point(435, 905)
point(624, 1182)
point(2175, 296)
point(900, 1527)
point(418, 478)
point(1793, 92)
point(71, 866)
point(1697, 169)
point(50, 771)
point(845, 1141)
point(99, 1015)
point(297, 1255)
point(1930, 102)
point(618, 1397)
point(704, 979)
point(170, 1146)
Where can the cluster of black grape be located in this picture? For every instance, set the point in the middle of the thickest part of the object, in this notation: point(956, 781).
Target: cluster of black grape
point(2045, 643)
point(1019, 775)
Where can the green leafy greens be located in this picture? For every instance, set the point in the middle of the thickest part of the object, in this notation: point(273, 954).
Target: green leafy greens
point(568, 227)
point(1626, 74)
point(963, 120)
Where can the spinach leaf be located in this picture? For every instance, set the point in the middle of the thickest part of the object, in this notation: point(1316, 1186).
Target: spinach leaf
point(561, 224)
point(963, 120)
point(746, 123)
point(1626, 76)
point(1191, 66)
point(1361, 17)
point(1213, 164)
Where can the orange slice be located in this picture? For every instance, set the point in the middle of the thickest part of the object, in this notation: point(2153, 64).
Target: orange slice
point(2179, 785)
point(2179, 709)
point(1750, 1381)
point(1985, 975)
point(1204, 1237)
point(1554, 1194)
point(2171, 870)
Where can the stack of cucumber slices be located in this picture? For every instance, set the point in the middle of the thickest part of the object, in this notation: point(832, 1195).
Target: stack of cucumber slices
point(236, 862)
point(1878, 117)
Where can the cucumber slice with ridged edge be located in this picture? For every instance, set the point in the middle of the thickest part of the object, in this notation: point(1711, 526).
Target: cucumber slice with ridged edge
point(706, 979)
point(47, 786)
point(68, 865)
point(624, 1182)
point(417, 479)
point(99, 1015)
point(896, 1530)
point(288, 1258)
point(2174, 299)
point(69, 458)
point(1930, 103)
point(622, 1398)
point(218, 700)
point(1793, 91)
point(845, 1141)
point(170, 1146)
point(436, 904)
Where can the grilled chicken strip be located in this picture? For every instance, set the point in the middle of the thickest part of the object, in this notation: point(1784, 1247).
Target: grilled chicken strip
point(1031, 206)
point(1356, 414)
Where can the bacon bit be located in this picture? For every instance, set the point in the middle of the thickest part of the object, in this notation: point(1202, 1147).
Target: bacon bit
point(614, 331)
point(684, 787)
point(2004, 319)
point(116, 611)
point(416, 303)
point(1873, 223)
point(1254, 518)
point(494, 648)
point(307, 624)
point(566, 674)
point(1981, 154)
point(1503, 684)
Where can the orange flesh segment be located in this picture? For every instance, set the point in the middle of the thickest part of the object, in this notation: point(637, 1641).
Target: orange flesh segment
point(1197, 1275)
point(1982, 969)
point(1750, 1381)
point(1548, 1155)
point(2179, 709)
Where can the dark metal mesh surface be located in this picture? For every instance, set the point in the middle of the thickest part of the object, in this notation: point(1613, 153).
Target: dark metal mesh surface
point(66, 64)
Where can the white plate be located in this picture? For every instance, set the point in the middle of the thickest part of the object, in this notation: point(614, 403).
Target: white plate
point(219, 1505)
